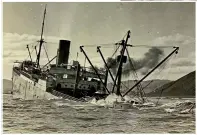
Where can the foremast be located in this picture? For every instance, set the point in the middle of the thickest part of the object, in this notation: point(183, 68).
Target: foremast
point(41, 41)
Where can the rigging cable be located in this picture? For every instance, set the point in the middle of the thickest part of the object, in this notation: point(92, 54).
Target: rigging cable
point(112, 56)
point(164, 66)
point(161, 69)
point(103, 45)
point(93, 45)
point(117, 47)
point(165, 88)
point(84, 62)
point(139, 87)
point(115, 51)
point(150, 46)
point(46, 52)
point(124, 37)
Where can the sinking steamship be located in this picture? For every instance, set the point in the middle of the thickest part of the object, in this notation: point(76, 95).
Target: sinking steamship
point(71, 81)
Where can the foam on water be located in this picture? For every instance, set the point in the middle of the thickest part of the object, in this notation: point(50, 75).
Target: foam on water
point(149, 104)
point(168, 110)
point(182, 107)
point(108, 101)
point(171, 104)
point(113, 98)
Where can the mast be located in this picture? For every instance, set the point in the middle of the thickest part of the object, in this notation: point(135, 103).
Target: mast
point(81, 48)
point(36, 51)
point(41, 40)
point(121, 61)
point(29, 53)
point(98, 50)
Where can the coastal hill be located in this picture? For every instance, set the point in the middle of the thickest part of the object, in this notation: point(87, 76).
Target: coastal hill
point(149, 85)
point(183, 87)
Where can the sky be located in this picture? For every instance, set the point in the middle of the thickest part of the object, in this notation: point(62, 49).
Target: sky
point(169, 24)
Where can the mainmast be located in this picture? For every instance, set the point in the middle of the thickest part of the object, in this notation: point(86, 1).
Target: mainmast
point(41, 40)
point(122, 59)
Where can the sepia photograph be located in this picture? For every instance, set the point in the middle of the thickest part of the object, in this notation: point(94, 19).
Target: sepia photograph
point(98, 67)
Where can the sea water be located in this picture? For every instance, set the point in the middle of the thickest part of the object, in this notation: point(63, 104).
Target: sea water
point(63, 116)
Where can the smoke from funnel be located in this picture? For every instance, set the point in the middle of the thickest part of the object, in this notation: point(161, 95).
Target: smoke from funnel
point(150, 60)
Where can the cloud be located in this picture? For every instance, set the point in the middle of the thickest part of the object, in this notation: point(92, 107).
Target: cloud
point(14, 48)
point(183, 62)
point(175, 40)
point(6, 54)
point(186, 44)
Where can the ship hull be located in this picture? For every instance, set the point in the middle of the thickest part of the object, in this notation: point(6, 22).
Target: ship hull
point(25, 88)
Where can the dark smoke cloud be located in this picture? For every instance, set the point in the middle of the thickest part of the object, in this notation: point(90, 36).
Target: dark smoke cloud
point(112, 64)
point(150, 60)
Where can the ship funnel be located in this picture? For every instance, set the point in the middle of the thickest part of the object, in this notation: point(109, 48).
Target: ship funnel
point(63, 52)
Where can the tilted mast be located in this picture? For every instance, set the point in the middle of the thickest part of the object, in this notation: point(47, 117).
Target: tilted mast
point(41, 40)
point(122, 59)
